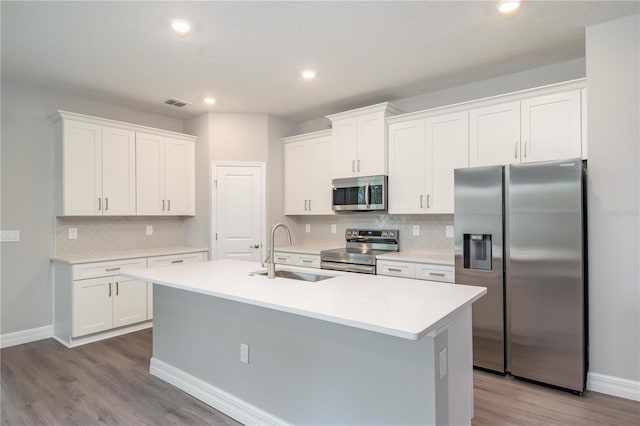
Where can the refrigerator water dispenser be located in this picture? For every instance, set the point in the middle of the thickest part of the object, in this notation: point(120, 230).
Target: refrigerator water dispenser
point(477, 251)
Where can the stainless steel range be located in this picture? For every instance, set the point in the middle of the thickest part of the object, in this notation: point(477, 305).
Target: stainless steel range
point(363, 245)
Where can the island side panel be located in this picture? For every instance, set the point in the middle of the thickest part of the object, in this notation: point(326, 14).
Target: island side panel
point(302, 370)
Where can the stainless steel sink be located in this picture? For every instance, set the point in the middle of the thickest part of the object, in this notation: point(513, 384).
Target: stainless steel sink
point(295, 275)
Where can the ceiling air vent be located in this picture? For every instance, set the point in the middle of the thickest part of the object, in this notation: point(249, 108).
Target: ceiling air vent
point(176, 102)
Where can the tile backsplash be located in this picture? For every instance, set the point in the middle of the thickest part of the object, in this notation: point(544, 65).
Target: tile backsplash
point(105, 234)
point(432, 236)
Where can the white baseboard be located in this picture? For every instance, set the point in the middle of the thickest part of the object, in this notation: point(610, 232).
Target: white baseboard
point(79, 341)
point(26, 336)
point(615, 386)
point(223, 401)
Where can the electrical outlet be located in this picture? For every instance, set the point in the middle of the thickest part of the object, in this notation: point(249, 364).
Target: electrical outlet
point(149, 230)
point(307, 227)
point(334, 228)
point(244, 353)
point(443, 363)
point(73, 233)
point(9, 236)
point(449, 231)
point(416, 230)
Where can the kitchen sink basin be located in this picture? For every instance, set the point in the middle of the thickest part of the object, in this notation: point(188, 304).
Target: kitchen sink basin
point(295, 275)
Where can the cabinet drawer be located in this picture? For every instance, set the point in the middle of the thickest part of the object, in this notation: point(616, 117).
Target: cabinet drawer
point(175, 259)
point(308, 260)
point(106, 269)
point(396, 269)
point(284, 258)
point(435, 273)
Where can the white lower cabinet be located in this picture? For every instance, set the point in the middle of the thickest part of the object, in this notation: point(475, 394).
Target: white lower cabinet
point(297, 259)
point(421, 271)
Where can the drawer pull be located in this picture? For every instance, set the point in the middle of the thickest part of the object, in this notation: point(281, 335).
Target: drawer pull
point(281, 258)
point(117, 288)
point(307, 261)
point(395, 270)
point(437, 274)
point(177, 261)
point(112, 269)
point(109, 289)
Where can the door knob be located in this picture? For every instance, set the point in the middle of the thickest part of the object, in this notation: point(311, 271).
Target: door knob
point(254, 246)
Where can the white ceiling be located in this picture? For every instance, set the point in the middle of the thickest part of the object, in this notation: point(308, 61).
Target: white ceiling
point(248, 55)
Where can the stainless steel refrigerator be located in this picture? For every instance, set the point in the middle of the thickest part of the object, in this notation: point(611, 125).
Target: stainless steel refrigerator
point(520, 232)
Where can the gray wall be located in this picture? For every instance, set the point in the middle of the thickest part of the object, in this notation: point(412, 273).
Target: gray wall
point(614, 196)
point(27, 179)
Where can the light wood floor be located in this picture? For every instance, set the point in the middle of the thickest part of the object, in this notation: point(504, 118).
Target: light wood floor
point(44, 383)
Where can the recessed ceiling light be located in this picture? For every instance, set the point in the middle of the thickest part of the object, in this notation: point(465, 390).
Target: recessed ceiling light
point(209, 101)
point(308, 74)
point(181, 27)
point(508, 7)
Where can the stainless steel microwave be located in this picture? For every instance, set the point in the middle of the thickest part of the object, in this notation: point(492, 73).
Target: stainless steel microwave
point(360, 194)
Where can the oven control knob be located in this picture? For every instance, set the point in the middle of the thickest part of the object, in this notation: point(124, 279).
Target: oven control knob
point(348, 233)
point(384, 234)
point(392, 234)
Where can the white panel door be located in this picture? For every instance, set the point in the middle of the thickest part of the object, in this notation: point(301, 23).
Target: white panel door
point(551, 127)
point(345, 134)
point(129, 301)
point(82, 166)
point(407, 167)
point(92, 305)
point(118, 172)
point(179, 177)
point(494, 135)
point(296, 178)
point(150, 189)
point(372, 148)
point(447, 150)
point(238, 212)
point(320, 163)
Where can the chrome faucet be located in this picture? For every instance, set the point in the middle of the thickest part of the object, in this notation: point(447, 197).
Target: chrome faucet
point(270, 261)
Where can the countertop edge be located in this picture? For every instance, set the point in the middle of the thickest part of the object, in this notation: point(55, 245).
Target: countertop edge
point(126, 254)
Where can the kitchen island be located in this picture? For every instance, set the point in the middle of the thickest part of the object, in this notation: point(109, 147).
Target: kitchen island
point(351, 349)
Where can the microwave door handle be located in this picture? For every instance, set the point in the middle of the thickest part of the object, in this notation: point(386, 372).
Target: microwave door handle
point(366, 195)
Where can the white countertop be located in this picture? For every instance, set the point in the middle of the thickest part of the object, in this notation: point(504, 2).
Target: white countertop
point(398, 307)
point(126, 254)
point(419, 257)
point(307, 248)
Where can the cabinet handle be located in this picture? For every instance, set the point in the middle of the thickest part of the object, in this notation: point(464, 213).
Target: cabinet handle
point(353, 166)
point(117, 288)
point(112, 269)
point(395, 270)
point(99, 203)
point(169, 205)
point(307, 261)
point(525, 149)
point(109, 289)
point(177, 261)
point(428, 203)
point(106, 203)
point(421, 201)
point(281, 258)
point(305, 205)
point(162, 205)
point(436, 274)
point(358, 166)
point(515, 151)
point(309, 205)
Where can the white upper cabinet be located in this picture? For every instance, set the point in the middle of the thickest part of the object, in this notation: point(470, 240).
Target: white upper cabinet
point(494, 135)
point(106, 167)
point(309, 168)
point(360, 140)
point(166, 176)
point(96, 171)
point(551, 127)
point(423, 154)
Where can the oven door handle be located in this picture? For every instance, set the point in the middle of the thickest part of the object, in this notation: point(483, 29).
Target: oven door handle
point(366, 195)
point(348, 267)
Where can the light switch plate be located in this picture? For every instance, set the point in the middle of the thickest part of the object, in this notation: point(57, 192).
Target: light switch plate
point(149, 230)
point(10, 236)
point(334, 228)
point(443, 363)
point(449, 231)
point(307, 227)
point(416, 230)
point(244, 353)
point(73, 233)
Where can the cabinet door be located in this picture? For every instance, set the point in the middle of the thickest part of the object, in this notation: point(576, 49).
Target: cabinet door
point(150, 189)
point(92, 305)
point(82, 169)
point(180, 177)
point(372, 145)
point(296, 177)
point(407, 171)
point(396, 269)
point(345, 134)
point(447, 150)
point(320, 165)
point(494, 135)
point(118, 172)
point(551, 127)
point(149, 301)
point(129, 301)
